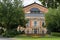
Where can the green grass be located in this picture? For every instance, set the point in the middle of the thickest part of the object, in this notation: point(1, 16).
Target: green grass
point(36, 38)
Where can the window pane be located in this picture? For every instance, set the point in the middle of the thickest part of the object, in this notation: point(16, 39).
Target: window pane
point(35, 23)
point(35, 10)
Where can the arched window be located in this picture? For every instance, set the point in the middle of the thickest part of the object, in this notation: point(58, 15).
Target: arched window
point(35, 23)
point(35, 10)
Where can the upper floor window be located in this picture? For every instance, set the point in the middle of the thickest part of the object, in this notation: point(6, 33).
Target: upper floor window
point(43, 23)
point(35, 10)
point(35, 23)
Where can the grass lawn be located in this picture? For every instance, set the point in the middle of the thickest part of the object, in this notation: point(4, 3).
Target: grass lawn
point(36, 38)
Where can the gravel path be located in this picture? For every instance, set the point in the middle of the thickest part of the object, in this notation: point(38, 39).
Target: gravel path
point(6, 38)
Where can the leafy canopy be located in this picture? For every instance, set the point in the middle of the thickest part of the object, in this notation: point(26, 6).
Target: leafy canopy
point(11, 13)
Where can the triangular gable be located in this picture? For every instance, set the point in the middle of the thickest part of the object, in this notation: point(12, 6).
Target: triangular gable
point(35, 5)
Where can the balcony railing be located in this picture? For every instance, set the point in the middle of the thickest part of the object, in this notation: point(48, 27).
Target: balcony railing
point(35, 15)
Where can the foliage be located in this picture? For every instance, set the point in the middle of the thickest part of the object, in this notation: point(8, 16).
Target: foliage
point(56, 34)
point(11, 33)
point(50, 3)
point(1, 31)
point(53, 20)
point(11, 13)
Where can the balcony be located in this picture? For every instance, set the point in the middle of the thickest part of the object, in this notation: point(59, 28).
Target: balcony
point(35, 15)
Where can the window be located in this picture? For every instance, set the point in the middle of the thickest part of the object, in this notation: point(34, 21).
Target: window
point(35, 10)
point(35, 23)
point(43, 24)
point(28, 24)
point(35, 31)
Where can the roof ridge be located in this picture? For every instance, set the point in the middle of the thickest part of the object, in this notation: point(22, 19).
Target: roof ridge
point(34, 3)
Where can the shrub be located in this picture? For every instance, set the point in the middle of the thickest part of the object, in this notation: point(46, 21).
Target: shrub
point(56, 34)
point(1, 31)
point(10, 33)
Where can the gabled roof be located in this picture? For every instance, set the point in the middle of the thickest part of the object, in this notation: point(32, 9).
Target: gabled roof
point(34, 3)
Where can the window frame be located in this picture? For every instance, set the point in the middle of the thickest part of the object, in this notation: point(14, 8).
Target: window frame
point(35, 11)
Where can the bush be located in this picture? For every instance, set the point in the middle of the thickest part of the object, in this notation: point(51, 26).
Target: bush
point(1, 31)
point(56, 34)
point(10, 33)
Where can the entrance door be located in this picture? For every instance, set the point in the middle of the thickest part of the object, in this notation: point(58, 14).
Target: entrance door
point(35, 31)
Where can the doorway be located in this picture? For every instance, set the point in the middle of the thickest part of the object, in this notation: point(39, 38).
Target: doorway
point(35, 31)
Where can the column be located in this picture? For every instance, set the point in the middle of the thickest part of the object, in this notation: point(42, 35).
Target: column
point(40, 23)
point(40, 26)
point(30, 23)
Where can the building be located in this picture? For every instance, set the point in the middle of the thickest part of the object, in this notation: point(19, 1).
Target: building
point(35, 13)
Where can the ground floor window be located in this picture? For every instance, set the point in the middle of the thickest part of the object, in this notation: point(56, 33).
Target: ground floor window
point(28, 24)
point(35, 31)
point(27, 32)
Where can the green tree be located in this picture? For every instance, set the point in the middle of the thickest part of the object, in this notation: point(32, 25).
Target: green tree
point(53, 20)
point(51, 3)
point(11, 13)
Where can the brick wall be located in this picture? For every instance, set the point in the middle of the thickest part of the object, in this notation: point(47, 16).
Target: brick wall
point(41, 8)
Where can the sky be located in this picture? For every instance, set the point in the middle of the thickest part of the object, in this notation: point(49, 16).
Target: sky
point(27, 2)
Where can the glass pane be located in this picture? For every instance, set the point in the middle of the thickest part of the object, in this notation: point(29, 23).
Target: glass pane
point(35, 10)
point(35, 31)
point(35, 23)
